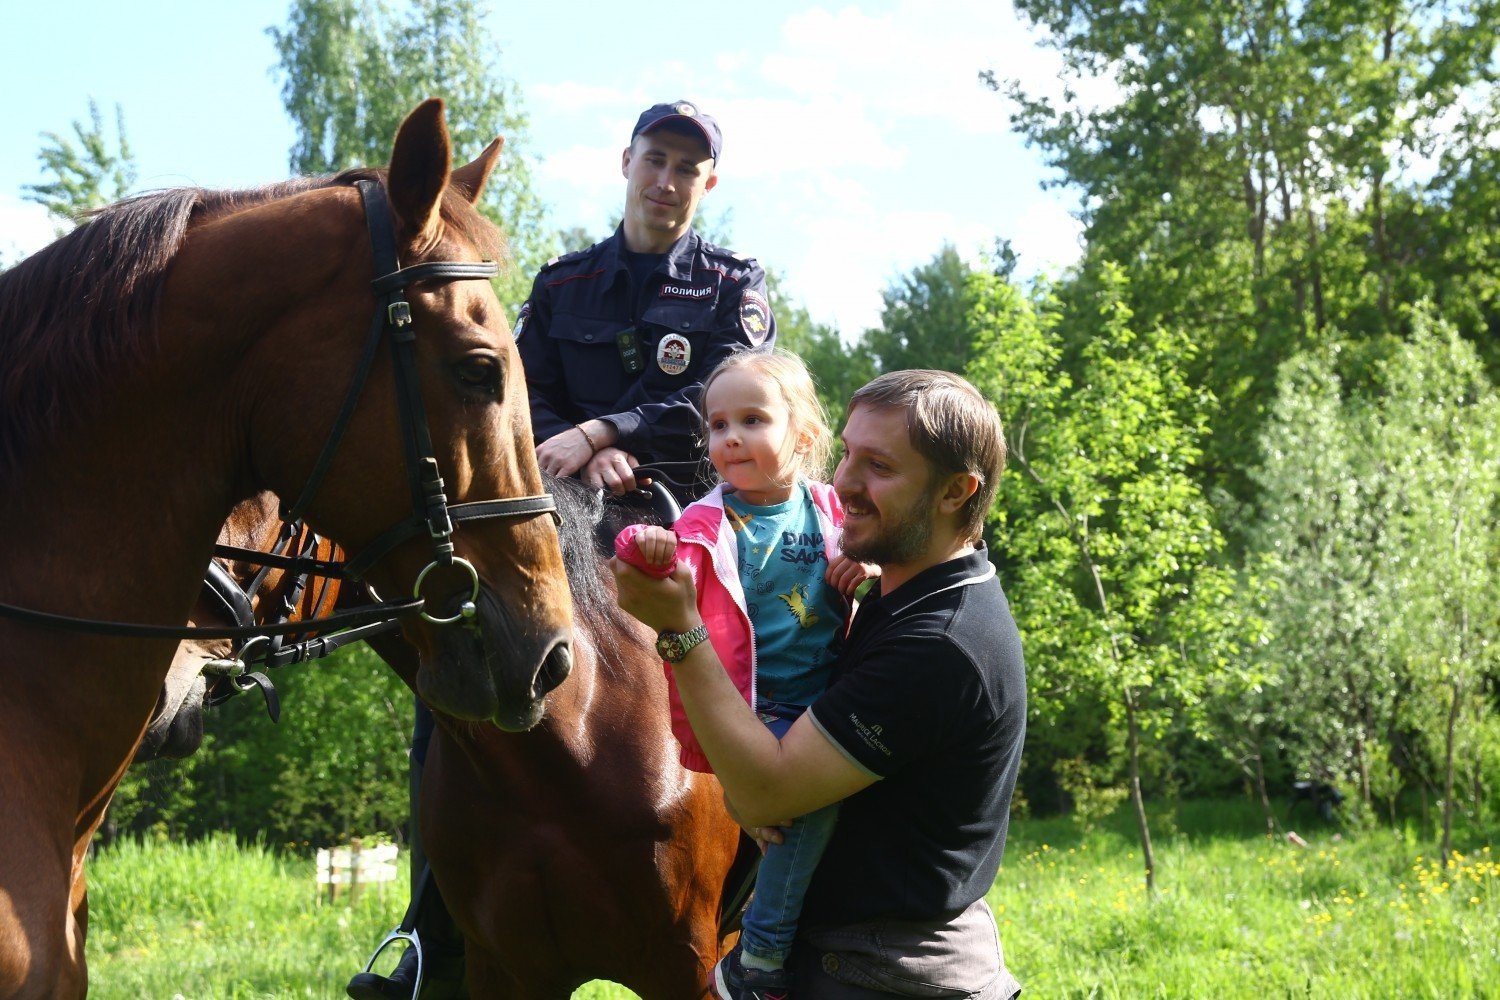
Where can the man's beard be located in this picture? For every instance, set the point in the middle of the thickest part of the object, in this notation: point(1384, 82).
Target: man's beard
point(903, 542)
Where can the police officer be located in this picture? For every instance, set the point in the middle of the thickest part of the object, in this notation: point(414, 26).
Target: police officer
point(617, 339)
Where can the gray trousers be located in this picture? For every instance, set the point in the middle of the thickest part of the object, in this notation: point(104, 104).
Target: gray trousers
point(959, 958)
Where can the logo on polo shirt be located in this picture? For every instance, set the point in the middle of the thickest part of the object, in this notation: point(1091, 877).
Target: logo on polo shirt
point(870, 734)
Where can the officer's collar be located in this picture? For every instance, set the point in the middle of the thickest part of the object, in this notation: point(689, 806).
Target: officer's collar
point(679, 257)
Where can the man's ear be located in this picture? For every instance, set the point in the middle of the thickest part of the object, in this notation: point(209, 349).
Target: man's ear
point(625, 162)
point(956, 491)
point(713, 179)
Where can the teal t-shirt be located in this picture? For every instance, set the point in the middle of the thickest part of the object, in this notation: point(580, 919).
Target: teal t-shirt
point(796, 616)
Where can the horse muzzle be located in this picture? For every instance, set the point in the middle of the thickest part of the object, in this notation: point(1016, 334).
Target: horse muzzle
point(492, 667)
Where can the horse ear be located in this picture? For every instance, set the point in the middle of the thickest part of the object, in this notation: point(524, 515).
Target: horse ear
point(420, 166)
point(470, 178)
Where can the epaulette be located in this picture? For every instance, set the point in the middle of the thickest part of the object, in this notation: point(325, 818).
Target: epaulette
point(715, 250)
point(564, 258)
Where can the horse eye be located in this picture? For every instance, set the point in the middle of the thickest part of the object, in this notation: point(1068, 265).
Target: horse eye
point(482, 373)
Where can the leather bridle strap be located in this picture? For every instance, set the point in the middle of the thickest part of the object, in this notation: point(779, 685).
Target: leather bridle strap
point(431, 511)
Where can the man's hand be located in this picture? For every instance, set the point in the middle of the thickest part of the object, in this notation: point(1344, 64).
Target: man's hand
point(611, 469)
point(669, 603)
point(845, 575)
point(565, 453)
point(764, 836)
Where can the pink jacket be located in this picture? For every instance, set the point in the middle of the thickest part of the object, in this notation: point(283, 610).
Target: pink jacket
point(706, 544)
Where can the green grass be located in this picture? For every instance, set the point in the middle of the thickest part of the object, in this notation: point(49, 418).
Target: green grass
point(1366, 915)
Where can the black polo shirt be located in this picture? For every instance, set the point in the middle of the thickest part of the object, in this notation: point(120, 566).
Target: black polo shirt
point(929, 696)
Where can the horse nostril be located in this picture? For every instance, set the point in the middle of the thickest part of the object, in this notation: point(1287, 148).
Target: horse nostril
point(555, 668)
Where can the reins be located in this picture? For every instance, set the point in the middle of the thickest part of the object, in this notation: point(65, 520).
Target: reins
point(431, 512)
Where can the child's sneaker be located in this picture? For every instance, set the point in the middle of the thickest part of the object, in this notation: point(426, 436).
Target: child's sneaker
point(732, 981)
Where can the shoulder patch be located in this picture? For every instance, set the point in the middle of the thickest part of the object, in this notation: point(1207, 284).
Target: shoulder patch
point(755, 317)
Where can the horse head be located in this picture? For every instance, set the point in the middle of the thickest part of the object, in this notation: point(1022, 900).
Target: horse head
point(495, 635)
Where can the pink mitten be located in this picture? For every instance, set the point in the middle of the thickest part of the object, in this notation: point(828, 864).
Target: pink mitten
point(629, 552)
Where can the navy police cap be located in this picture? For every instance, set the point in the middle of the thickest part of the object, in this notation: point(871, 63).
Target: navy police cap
point(681, 111)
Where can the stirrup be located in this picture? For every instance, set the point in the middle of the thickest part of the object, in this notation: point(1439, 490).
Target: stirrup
point(413, 940)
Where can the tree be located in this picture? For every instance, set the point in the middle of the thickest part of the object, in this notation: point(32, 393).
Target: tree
point(89, 171)
point(352, 71)
point(1264, 174)
point(1112, 545)
point(1441, 427)
point(1323, 536)
point(925, 320)
point(1379, 490)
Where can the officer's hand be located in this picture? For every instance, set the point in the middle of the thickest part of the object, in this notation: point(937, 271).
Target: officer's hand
point(564, 454)
point(611, 469)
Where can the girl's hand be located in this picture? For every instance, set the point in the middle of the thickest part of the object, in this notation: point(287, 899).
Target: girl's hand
point(845, 575)
point(658, 545)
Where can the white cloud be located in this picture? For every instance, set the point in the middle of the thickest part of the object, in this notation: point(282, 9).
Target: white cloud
point(24, 228)
point(1047, 237)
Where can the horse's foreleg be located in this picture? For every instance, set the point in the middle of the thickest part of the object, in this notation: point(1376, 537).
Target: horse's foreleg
point(42, 909)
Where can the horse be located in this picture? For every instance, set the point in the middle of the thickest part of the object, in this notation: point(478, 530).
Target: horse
point(235, 593)
point(173, 356)
point(580, 849)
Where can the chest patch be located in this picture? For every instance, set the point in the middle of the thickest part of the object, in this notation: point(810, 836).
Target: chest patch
point(682, 290)
point(673, 354)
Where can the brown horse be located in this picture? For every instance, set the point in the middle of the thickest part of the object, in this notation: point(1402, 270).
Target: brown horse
point(581, 849)
point(175, 355)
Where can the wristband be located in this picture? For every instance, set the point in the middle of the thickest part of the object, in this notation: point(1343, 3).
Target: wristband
point(592, 446)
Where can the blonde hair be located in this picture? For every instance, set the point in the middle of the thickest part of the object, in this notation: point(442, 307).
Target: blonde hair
point(807, 422)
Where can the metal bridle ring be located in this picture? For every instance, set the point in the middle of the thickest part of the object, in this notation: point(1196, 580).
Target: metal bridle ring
point(465, 610)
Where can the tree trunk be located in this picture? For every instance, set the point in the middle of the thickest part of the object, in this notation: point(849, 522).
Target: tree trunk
point(1447, 848)
point(1320, 317)
point(1260, 787)
point(1134, 745)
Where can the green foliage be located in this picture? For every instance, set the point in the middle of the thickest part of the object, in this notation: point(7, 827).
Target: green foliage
point(925, 319)
point(333, 768)
point(1379, 490)
point(352, 71)
point(1265, 175)
point(1112, 547)
point(88, 171)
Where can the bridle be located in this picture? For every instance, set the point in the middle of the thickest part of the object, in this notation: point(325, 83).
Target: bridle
point(431, 512)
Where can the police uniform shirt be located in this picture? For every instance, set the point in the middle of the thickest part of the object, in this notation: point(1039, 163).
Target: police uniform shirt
point(697, 306)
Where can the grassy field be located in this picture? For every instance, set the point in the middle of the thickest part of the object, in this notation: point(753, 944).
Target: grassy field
point(1367, 914)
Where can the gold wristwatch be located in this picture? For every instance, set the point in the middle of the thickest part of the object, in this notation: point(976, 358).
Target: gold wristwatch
point(673, 646)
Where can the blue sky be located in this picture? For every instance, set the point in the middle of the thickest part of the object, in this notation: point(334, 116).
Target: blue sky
point(857, 137)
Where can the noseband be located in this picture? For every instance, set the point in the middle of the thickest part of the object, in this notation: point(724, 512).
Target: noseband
point(431, 515)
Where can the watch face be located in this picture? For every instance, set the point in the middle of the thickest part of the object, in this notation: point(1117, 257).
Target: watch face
point(667, 646)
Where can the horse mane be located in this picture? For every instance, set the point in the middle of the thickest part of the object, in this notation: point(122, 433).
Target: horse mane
point(583, 514)
point(85, 307)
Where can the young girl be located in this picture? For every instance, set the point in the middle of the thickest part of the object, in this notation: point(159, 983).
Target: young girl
point(763, 550)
